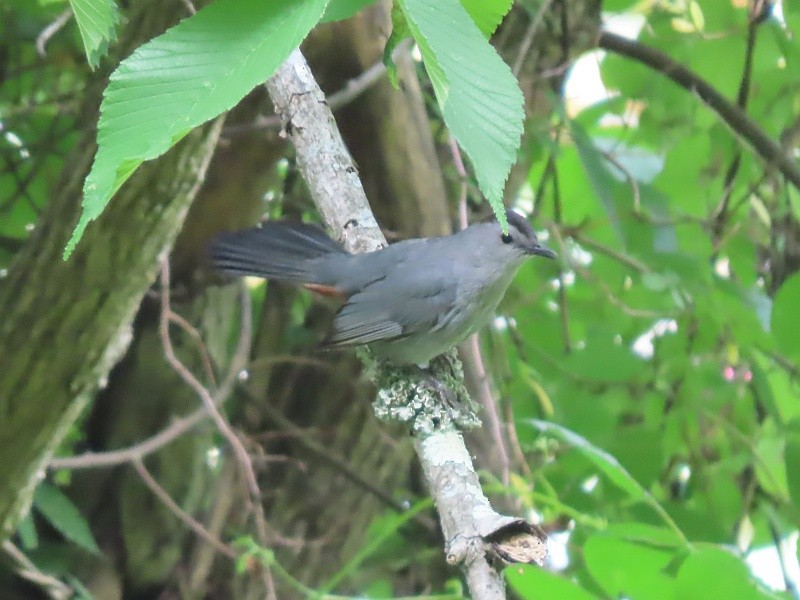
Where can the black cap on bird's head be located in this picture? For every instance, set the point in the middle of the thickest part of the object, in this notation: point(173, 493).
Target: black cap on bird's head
point(521, 234)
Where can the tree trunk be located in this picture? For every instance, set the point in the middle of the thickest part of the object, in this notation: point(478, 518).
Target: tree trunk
point(65, 324)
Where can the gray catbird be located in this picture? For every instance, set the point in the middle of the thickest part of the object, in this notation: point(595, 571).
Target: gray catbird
point(410, 301)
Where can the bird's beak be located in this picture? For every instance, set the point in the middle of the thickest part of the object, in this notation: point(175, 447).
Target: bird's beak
point(540, 250)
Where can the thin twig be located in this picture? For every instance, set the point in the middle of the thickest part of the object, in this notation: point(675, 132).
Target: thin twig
point(516, 447)
point(620, 257)
point(562, 289)
point(473, 360)
point(330, 458)
point(181, 514)
point(768, 149)
point(788, 579)
point(56, 589)
point(242, 456)
point(189, 6)
point(181, 425)
point(93, 460)
point(722, 210)
point(784, 363)
point(241, 354)
point(588, 275)
point(48, 32)
point(527, 39)
point(192, 332)
point(638, 210)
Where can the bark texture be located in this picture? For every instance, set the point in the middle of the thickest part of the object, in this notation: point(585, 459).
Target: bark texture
point(65, 324)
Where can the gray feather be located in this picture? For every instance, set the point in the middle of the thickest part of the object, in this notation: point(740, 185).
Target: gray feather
point(276, 250)
point(354, 329)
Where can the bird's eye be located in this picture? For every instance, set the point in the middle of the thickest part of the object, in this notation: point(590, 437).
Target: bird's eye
point(506, 237)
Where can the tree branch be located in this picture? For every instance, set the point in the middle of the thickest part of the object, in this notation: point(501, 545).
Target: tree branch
point(32, 341)
point(737, 119)
point(334, 184)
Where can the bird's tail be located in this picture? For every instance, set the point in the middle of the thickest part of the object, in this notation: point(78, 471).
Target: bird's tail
point(276, 250)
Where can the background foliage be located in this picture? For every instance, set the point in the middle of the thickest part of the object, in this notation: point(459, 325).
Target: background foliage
point(649, 378)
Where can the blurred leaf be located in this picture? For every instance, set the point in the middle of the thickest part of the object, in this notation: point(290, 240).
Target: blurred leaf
point(97, 21)
point(400, 31)
point(696, 15)
point(634, 449)
point(339, 10)
point(658, 282)
point(713, 572)
point(80, 591)
point(625, 569)
point(792, 458)
point(601, 179)
point(606, 464)
point(27, 533)
point(762, 390)
point(198, 69)
point(532, 583)
point(770, 466)
point(471, 81)
point(642, 533)
point(784, 322)
point(389, 528)
point(604, 360)
point(64, 516)
point(487, 14)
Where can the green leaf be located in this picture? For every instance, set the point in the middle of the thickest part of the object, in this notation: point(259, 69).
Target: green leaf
point(97, 21)
point(771, 463)
point(642, 533)
point(198, 69)
point(487, 14)
point(609, 560)
point(783, 323)
point(480, 99)
point(605, 463)
point(611, 468)
point(603, 360)
point(713, 572)
point(27, 533)
point(400, 31)
point(388, 528)
point(79, 590)
point(792, 458)
point(532, 583)
point(339, 10)
point(603, 183)
point(64, 516)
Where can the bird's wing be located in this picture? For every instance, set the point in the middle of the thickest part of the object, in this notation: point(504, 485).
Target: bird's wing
point(407, 301)
point(357, 329)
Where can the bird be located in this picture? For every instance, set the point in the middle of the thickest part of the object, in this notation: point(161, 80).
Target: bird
point(409, 301)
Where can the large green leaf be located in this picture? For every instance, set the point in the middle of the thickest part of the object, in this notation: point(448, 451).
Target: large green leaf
point(605, 463)
point(487, 14)
point(610, 467)
point(604, 360)
point(784, 323)
point(609, 560)
point(343, 9)
point(64, 516)
point(97, 21)
point(714, 572)
point(181, 79)
point(792, 459)
point(603, 183)
point(771, 464)
point(480, 99)
point(532, 583)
